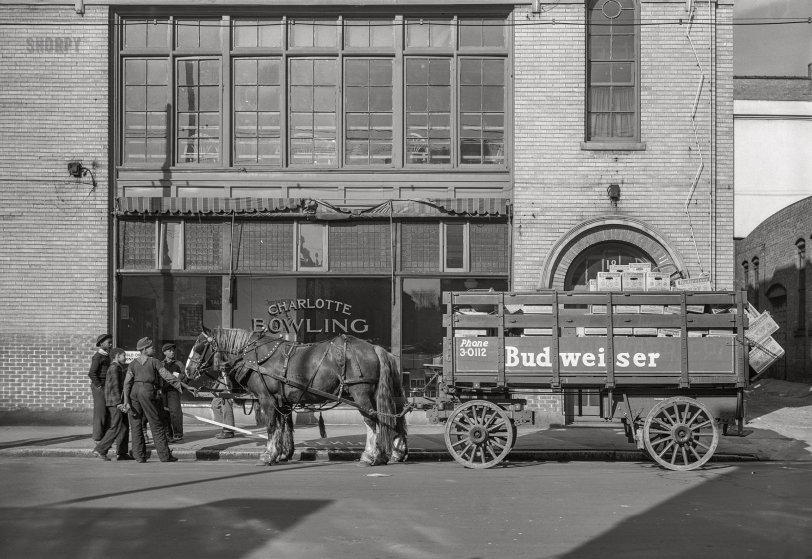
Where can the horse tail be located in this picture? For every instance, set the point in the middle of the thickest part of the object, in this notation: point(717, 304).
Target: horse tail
point(385, 393)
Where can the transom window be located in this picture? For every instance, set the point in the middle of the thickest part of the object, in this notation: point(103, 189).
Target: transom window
point(612, 70)
point(329, 92)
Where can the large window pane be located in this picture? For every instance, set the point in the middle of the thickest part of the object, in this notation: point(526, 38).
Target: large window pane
point(313, 90)
point(482, 111)
point(368, 106)
point(369, 33)
point(146, 101)
point(313, 33)
point(198, 111)
point(315, 309)
point(250, 33)
point(423, 33)
point(428, 117)
point(612, 62)
point(257, 111)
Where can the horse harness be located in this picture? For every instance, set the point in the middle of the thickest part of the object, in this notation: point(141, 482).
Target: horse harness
point(256, 354)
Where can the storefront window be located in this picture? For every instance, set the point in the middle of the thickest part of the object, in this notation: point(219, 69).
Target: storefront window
point(168, 309)
point(312, 246)
point(422, 317)
point(314, 309)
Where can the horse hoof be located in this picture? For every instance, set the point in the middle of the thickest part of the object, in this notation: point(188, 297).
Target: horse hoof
point(362, 464)
point(262, 463)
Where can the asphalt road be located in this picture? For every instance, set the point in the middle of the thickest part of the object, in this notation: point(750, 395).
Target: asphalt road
point(65, 508)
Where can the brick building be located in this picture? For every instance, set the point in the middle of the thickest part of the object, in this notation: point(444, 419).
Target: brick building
point(244, 159)
point(773, 123)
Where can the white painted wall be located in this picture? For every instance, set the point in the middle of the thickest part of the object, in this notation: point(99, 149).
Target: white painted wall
point(772, 159)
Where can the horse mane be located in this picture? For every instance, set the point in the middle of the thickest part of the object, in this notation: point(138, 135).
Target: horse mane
point(231, 340)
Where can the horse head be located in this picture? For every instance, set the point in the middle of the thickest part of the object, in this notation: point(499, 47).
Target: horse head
point(203, 358)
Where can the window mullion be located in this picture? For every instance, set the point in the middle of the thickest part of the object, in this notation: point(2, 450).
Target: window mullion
point(398, 96)
point(226, 81)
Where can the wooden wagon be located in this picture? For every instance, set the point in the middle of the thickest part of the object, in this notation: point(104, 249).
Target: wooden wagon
point(672, 367)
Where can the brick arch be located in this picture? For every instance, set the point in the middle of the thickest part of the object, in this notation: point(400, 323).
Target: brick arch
point(608, 229)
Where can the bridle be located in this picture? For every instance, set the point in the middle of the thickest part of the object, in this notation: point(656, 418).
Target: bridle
point(203, 365)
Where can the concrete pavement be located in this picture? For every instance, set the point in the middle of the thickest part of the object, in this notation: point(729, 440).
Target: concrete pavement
point(426, 442)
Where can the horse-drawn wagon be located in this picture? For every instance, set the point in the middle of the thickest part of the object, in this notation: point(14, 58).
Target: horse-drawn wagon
point(670, 366)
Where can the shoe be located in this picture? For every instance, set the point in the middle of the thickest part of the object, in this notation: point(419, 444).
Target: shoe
point(122, 457)
point(224, 436)
point(98, 454)
point(176, 440)
point(170, 459)
point(141, 460)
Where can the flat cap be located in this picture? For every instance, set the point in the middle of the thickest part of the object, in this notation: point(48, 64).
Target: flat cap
point(103, 337)
point(167, 347)
point(143, 344)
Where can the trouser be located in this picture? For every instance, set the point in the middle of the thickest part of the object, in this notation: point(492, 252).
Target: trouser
point(118, 432)
point(172, 402)
point(146, 402)
point(223, 410)
point(100, 417)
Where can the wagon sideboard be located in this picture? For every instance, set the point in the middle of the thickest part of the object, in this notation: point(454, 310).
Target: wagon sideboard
point(548, 339)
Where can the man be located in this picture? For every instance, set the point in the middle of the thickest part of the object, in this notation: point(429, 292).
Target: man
point(171, 395)
point(118, 432)
point(98, 371)
point(223, 409)
point(141, 396)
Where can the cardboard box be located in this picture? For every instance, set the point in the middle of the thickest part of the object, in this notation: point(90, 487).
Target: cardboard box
point(640, 267)
point(721, 333)
point(645, 331)
point(652, 309)
point(593, 285)
point(623, 331)
point(597, 309)
point(677, 309)
point(669, 332)
point(589, 331)
point(537, 309)
point(764, 354)
point(626, 309)
point(699, 283)
point(657, 281)
point(761, 328)
point(620, 268)
point(469, 333)
point(633, 281)
point(697, 333)
point(610, 281)
point(538, 331)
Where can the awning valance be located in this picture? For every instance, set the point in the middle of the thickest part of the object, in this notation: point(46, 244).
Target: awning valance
point(259, 207)
point(205, 206)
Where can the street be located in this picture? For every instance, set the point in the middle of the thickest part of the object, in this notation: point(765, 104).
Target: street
point(70, 507)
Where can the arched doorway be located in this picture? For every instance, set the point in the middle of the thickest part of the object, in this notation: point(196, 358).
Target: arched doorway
point(598, 258)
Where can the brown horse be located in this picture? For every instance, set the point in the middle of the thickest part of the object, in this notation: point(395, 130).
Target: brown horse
point(285, 376)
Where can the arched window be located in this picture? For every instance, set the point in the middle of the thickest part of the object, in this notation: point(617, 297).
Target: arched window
point(612, 71)
point(800, 247)
point(598, 258)
point(755, 281)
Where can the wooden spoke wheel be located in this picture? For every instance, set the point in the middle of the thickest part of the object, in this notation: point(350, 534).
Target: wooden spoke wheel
point(680, 433)
point(479, 434)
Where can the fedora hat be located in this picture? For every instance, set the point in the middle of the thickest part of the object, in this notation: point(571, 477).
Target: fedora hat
point(103, 337)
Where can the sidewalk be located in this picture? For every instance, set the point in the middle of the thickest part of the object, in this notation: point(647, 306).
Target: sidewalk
point(426, 443)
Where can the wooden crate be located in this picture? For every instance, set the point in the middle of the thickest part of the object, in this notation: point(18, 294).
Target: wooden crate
point(633, 281)
point(657, 281)
point(610, 281)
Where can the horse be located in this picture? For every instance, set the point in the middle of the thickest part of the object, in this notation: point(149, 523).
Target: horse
point(286, 375)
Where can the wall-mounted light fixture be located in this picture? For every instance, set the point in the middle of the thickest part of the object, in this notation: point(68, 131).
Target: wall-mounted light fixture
point(77, 171)
point(613, 191)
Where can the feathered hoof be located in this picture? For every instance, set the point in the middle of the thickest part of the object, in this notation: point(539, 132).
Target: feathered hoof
point(261, 462)
point(363, 464)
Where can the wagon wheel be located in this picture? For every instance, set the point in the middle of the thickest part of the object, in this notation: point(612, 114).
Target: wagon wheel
point(479, 434)
point(680, 433)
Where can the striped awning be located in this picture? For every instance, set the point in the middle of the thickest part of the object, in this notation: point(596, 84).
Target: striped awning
point(206, 206)
point(472, 207)
point(464, 207)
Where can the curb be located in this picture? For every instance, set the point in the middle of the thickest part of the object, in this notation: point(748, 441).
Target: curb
point(345, 455)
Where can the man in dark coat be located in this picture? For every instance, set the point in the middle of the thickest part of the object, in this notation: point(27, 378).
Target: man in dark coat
point(119, 430)
point(171, 396)
point(98, 371)
point(141, 395)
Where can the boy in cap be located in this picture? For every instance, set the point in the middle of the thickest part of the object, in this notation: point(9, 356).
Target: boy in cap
point(119, 430)
point(171, 395)
point(97, 373)
point(142, 396)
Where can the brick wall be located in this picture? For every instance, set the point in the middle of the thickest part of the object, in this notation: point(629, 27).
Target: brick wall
point(773, 243)
point(558, 185)
point(54, 229)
